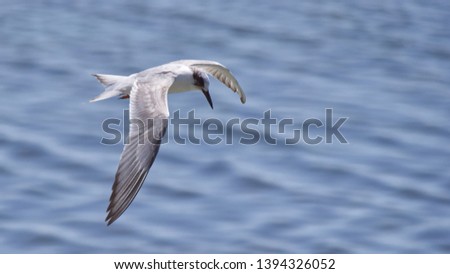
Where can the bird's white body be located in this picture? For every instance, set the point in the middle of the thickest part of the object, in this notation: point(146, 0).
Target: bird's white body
point(183, 80)
point(148, 92)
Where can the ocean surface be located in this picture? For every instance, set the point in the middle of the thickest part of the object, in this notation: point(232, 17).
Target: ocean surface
point(384, 65)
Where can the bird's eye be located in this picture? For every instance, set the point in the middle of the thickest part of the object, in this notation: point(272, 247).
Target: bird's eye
point(198, 79)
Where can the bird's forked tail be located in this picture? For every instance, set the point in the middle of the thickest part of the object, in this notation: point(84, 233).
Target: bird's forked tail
point(115, 85)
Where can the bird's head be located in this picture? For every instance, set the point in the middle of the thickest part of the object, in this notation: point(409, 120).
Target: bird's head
point(201, 81)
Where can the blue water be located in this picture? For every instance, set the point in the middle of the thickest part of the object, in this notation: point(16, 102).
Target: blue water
point(383, 64)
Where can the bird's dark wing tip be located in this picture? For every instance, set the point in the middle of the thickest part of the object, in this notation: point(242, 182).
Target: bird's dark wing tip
point(109, 219)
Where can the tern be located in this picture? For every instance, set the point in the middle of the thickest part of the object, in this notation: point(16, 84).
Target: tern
point(147, 91)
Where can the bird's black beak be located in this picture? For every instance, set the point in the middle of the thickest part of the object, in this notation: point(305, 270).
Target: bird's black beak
point(208, 97)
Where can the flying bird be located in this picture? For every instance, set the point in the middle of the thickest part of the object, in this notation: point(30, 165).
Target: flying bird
point(147, 91)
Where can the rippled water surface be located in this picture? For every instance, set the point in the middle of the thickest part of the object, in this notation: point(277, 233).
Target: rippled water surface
point(383, 64)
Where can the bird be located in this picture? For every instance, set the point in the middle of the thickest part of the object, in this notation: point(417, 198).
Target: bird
point(147, 93)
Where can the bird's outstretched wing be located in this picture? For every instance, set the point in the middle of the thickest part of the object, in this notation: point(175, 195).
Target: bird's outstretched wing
point(219, 71)
point(148, 123)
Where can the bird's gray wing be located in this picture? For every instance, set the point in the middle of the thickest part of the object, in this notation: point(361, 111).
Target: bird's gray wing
point(148, 123)
point(220, 72)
